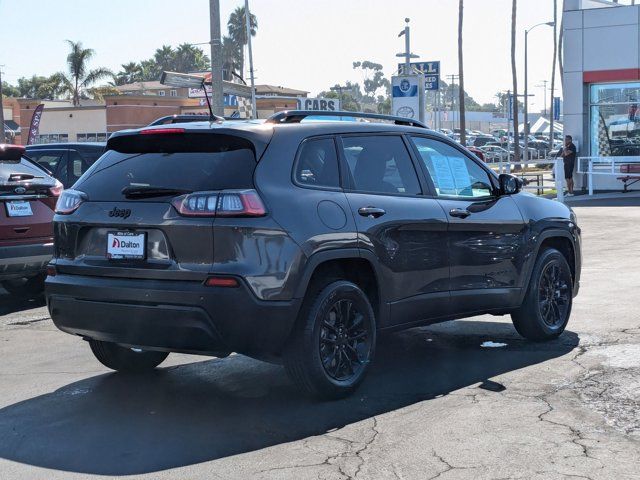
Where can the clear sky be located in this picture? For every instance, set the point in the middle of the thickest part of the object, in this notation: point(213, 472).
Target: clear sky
point(304, 44)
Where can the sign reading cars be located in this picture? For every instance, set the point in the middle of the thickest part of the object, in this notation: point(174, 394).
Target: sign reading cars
point(319, 104)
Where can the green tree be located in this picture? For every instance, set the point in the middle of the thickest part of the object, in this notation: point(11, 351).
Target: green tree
point(38, 86)
point(79, 78)
point(131, 72)
point(189, 58)
point(237, 27)
point(9, 90)
point(230, 58)
point(374, 79)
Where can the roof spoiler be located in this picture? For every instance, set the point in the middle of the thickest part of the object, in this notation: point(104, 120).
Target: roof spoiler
point(296, 116)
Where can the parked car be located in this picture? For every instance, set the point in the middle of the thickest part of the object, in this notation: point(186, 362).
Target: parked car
point(480, 141)
point(299, 242)
point(28, 195)
point(495, 153)
point(477, 152)
point(66, 161)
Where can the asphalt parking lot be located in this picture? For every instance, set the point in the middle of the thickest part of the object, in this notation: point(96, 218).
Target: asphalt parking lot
point(437, 404)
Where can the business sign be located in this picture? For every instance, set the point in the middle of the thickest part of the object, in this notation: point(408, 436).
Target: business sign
point(319, 104)
point(430, 70)
point(407, 98)
point(556, 108)
point(510, 107)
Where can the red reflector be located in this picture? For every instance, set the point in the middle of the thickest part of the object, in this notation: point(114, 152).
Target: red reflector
point(161, 131)
point(227, 282)
point(51, 271)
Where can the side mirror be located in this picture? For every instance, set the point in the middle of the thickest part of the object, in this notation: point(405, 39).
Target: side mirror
point(509, 185)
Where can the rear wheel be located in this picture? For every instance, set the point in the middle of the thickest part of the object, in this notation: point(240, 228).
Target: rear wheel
point(547, 304)
point(25, 286)
point(333, 342)
point(125, 359)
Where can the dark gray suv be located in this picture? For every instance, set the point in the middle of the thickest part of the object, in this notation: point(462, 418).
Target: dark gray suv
point(299, 241)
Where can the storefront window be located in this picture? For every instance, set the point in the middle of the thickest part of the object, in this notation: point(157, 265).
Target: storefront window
point(615, 119)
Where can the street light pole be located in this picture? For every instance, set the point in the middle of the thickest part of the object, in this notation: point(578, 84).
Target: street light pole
point(526, 90)
point(217, 95)
point(2, 136)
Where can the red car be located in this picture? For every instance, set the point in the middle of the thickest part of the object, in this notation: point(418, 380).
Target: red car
point(28, 195)
point(477, 152)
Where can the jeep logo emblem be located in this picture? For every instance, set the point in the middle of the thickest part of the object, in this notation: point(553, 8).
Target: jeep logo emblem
point(118, 212)
point(20, 190)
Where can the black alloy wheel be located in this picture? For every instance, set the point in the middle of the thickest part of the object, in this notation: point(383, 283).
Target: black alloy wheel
point(553, 295)
point(345, 340)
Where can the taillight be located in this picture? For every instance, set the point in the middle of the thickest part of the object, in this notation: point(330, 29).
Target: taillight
point(69, 201)
point(56, 190)
point(227, 203)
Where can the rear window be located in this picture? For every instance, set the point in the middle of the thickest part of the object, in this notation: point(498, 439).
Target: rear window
point(194, 171)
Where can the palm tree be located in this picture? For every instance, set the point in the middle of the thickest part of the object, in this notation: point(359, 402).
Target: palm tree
point(164, 59)
point(514, 74)
point(553, 71)
point(463, 122)
point(189, 58)
point(230, 57)
point(237, 26)
point(131, 72)
point(79, 78)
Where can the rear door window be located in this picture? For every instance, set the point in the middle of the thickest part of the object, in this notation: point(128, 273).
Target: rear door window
point(380, 164)
point(192, 171)
point(317, 164)
point(48, 159)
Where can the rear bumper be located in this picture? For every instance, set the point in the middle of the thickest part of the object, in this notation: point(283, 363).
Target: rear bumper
point(24, 260)
point(174, 316)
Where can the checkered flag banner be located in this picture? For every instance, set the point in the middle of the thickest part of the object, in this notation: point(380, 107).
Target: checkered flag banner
point(244, 107)
point(604, 145)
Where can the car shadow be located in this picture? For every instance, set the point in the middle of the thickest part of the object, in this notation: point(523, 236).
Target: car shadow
point(114, 424)
point(11, 303)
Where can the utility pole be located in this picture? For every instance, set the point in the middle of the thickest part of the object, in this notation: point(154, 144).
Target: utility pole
point(247, 15)
point(544, 89)
point(452, 78)
point(2, 136)
point(217, 95)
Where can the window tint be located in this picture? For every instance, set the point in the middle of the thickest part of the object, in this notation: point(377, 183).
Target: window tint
point(380, 164)
point(194, 171)
point(48, 160)
point(453, 173)
point(318, 164)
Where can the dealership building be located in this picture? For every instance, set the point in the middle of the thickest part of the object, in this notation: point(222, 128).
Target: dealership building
point(601, 84)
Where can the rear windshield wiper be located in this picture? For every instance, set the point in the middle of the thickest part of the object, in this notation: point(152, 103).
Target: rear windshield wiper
point(147, 191)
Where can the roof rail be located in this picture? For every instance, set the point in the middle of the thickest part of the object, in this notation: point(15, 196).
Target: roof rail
point(296, 116)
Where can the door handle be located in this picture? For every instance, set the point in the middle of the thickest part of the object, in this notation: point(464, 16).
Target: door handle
point(459, 213)
point(371, 212)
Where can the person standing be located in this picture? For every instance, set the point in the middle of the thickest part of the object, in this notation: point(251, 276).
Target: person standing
point(569, 153)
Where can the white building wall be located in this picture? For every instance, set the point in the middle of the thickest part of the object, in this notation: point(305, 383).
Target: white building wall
point(598, 36)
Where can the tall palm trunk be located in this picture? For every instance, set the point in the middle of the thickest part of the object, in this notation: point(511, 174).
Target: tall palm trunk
point(514, 74)
point(463, 120)
point(560, 42)
point(553, 71)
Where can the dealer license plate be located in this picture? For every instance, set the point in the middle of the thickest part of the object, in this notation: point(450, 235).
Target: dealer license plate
point(19, 209)
point(126, 245)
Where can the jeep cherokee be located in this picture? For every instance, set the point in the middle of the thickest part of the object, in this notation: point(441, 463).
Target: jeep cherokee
point(298, 241)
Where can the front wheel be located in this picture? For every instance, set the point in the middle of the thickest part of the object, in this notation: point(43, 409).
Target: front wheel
point(547, 304)
point(333, 342)
point(125, 359)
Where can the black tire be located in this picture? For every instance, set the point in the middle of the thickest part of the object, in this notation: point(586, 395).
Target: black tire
point(333, 341)
point(546, 308)
point(25, 286)
point(124, 359)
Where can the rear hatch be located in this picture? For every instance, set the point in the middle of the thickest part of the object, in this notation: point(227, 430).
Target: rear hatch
point(146, 208)
point(28, 196)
